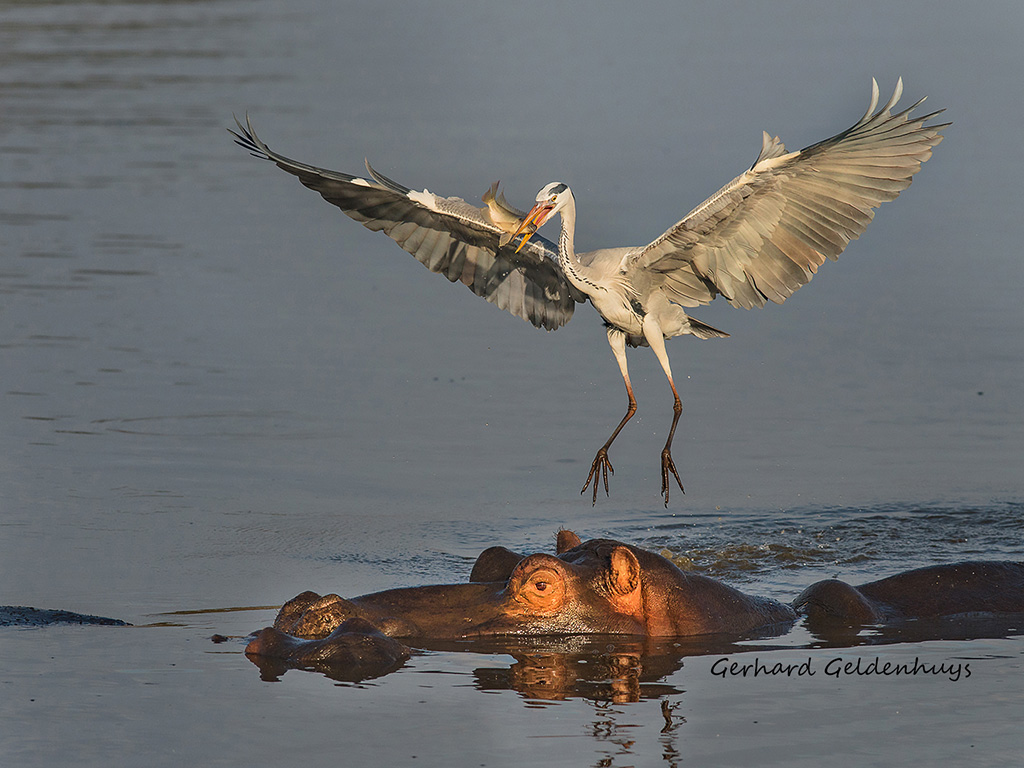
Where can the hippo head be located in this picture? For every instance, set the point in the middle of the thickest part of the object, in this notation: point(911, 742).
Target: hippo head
point(595, 587)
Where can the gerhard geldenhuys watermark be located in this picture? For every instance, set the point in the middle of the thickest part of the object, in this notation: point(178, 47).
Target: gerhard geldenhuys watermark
point(839, 666)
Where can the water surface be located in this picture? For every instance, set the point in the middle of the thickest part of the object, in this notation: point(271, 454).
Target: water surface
point(218, 391)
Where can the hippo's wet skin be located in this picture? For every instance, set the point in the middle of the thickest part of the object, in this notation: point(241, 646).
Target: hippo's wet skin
point(595, 587)
point(24, 616)
point(989, 588)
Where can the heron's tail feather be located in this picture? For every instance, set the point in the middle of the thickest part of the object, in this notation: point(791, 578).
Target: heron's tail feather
point(705, 331)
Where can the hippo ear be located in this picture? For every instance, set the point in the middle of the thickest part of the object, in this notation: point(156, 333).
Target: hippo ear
point(565, 541)
point(495, 564)
point(623, 571)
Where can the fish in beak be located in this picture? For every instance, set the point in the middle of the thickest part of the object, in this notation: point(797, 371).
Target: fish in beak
point(502, 214)
point(534, 220)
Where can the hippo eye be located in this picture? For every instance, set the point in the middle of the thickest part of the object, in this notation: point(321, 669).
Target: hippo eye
point(542, 590)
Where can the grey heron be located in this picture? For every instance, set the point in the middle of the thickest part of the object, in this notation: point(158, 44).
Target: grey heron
point(758, 239)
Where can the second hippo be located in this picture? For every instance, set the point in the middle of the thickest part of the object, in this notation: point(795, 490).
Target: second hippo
point(967, 588)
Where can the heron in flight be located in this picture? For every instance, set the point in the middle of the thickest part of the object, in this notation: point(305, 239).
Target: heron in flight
point(758, 239)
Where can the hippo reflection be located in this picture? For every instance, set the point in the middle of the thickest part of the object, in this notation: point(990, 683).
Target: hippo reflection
point(355, 651)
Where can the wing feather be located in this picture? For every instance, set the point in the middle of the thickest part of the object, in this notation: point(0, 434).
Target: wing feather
point(764, 235)
point(446, 234)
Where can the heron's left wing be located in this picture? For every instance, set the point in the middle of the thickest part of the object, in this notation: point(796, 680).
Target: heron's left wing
point(445, 234)
point(764, 235)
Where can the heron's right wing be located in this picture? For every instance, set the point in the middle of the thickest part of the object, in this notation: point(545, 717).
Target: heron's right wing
point(445, 234)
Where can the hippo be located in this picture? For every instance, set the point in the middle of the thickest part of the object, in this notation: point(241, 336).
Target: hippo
point(596, 587)
point(551, 606)
point(958, 589)
point(25, 616)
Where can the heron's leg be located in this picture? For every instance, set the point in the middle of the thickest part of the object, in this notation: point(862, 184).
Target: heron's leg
point(655, 337)
point(602, 466)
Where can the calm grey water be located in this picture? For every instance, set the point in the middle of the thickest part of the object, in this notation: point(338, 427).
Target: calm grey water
point(216, 391)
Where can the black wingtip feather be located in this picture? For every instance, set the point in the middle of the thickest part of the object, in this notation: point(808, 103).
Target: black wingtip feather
point(247, 139)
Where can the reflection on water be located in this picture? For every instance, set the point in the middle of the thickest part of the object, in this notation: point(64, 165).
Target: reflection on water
point(615, 670)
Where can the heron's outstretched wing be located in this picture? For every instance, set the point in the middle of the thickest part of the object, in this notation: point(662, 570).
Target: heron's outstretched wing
point(765, 234)
point(446, 234)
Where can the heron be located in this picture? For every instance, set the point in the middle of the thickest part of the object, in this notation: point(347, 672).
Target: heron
point(756, 240)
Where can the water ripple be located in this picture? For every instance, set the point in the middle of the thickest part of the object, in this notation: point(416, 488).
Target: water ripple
point(854, 543)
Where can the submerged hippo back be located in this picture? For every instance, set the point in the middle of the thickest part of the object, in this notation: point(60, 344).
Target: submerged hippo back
point(946, 590)
point(939, 590)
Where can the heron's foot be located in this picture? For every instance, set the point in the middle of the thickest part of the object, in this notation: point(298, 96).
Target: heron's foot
point(667, 466)
point(600, 468)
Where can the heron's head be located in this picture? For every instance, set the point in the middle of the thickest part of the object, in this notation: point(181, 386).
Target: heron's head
point(550, 200)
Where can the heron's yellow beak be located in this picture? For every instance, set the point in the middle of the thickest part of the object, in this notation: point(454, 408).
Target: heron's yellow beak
point(534, 220)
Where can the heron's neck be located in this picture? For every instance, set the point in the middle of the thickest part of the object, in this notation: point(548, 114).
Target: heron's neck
point(574, 270)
